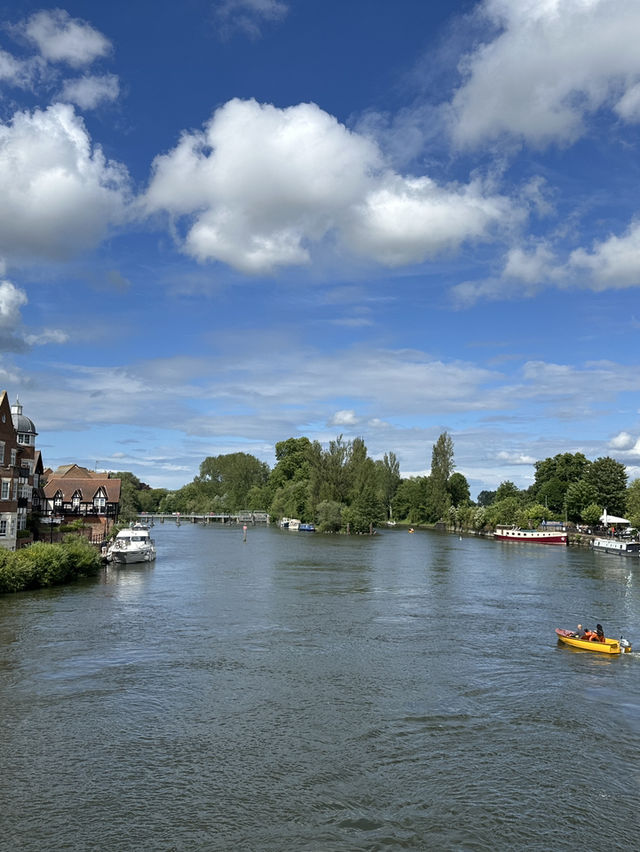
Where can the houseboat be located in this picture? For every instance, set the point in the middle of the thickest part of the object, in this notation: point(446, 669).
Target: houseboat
point(512, 533)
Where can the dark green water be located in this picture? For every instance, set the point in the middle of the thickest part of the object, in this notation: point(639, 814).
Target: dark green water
point(304, 692)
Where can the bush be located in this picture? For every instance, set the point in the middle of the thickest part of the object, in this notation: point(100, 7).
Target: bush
point(44, 564)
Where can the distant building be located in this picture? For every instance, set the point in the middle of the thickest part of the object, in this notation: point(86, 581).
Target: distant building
point(72, 492)
point(20, 472)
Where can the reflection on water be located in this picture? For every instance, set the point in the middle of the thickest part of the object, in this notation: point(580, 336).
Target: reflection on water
point(321, 693)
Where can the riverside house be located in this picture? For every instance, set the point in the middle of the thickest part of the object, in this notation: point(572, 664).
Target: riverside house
point(20, 472)
point(73, 492)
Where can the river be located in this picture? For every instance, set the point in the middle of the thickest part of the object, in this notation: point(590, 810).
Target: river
point(322, 693)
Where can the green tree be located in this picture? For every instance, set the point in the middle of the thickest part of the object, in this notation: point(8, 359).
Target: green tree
point(389, 479)
point(633, 503)
point(441, 470)
point(232, 476)
point(329, 516)
point(507, 489)
point(458, 489)
point(407, 499)
point(609, 478)
point(591, 515)
point(486, 498)
point(578, 496)
point(553, 476)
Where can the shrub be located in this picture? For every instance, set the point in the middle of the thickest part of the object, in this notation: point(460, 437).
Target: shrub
point(44, 564)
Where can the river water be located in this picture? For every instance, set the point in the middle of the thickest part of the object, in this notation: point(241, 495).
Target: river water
point(309, 692)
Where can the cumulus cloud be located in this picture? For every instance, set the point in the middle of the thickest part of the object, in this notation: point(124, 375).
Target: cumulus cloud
point(90, 91)
point(261, 186)
point(622, 441)
point(547, 66)
point(61, 38)
point(344, 418)
point(59, 193)
point(613, 263)
point(13, 338)
point(247, 16)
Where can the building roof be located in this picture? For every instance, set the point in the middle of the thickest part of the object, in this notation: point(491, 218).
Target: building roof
point(22, 423)
point(88, 486)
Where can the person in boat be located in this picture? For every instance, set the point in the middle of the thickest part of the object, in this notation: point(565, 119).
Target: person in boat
point(599, 633)
point(579, 632)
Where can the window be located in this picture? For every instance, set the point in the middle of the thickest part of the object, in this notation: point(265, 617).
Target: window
point(6, 485)
point(1, 452)
point(24, 439)
point(3, 526)
point(75, 500)
point(14, 454)
point(99, 501)
point(57, 500)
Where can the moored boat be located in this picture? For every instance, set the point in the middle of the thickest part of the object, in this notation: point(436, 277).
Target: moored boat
point(306, 528)
point(132, 544)
point(613, 545)
point(511, 533)
point(609, 646)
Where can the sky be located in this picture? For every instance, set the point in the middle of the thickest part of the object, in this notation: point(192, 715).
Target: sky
point(227, 223)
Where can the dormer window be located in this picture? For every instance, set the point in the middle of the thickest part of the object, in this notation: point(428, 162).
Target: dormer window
point(100, 501)
point(75, 500)
point(57, 500)
point(24, 439)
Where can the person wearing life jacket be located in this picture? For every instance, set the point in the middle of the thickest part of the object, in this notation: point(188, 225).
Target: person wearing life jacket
point(590, 635)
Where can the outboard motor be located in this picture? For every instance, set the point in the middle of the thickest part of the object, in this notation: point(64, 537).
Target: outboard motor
point(624, 644)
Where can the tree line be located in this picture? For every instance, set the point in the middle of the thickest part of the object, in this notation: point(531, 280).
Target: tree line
point(340, 485)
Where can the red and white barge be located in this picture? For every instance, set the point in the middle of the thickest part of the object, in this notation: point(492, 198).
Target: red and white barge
point(504, 533)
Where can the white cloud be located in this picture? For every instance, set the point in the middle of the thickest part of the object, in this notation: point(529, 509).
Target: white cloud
point(59, 194)
point(548, 66)
point(263, 186)
point(61, 38)
point(613, 263)
point(247, 16)
point(16, 72)
point(89, 91)
point(622, 441)
point(47, 335)
point(11, 300)
point(531, 267)
point(344, 418)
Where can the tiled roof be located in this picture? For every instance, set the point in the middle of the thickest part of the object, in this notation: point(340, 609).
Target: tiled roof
point(87, 485)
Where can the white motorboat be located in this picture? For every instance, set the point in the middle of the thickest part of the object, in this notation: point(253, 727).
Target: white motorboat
point(132, 544)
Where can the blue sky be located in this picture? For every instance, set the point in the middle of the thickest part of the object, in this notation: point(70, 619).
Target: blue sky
point(228, 223)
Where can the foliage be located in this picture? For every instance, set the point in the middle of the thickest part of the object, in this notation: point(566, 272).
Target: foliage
point(486, 498)
point(44, 564)
point(458, 489)
point(633, 503)
point(609, 478)
point(554, 475)
point(578, 496)
point(439, 500)
point(329, 516)
point(591, 515)
point(507, 489)
point(388, 472)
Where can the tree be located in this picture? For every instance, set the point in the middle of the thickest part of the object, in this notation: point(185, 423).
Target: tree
point(633, 503)
point(553, 476)
point(458, 489)
point(232, 477)
point(609, 478)
point(486, 498)
point(591, 514)
point(388, 471)
point(329, 516)
point(507, 489)
point(578, 496)
point(441, 470)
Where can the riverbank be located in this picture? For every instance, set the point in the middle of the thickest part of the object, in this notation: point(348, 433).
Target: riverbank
point(42, 565)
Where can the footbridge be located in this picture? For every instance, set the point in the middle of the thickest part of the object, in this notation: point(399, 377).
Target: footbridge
point(207, 518)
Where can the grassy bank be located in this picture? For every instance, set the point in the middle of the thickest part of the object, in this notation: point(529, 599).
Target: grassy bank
point(42, 565)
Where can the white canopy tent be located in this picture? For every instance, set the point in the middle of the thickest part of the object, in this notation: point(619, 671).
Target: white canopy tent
point(611, 519)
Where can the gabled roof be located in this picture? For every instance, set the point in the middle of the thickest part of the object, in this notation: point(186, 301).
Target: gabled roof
point(77, 472)
point(87, 485)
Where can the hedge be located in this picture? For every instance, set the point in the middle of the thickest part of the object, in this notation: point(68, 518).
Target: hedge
point(42, 565)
